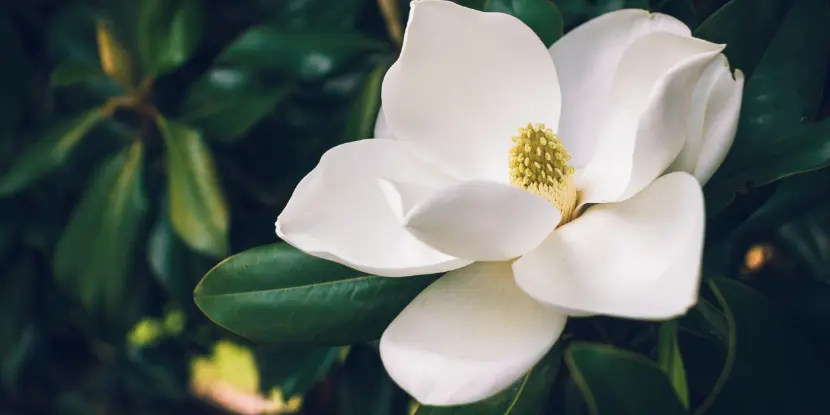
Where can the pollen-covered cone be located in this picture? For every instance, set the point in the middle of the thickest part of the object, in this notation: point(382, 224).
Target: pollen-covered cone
point(445, 187)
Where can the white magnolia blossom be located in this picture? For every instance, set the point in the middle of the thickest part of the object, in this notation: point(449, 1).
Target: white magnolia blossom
point(597, 211)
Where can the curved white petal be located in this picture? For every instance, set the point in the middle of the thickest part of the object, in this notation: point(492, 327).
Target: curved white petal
point(649, 111)
point(338, 212)
point(639, 258)
point(716, 105)
point(468, 336)
point(382, 129)
point(463, 85)
point(586, 60)
point(476, 220)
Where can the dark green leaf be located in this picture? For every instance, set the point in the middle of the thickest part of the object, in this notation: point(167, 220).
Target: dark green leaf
point(302, 55)
point(364, 112)
point(168, 33)
point(782, 92)
point(50, 151)
point(526, 396)
point(670, 360)
point(364, 388)
point(175, 267)
point(93, 259)
point(278, 294)
point(226, 102)
point(14, 74)
point(293, 371)
point(792, 197)
point(69, 73)
point(770, 368)
point(540, 15)
point(198, 210)
point(683, 10)
point(620, 382)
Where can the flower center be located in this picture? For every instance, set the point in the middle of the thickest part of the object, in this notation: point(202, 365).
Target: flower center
point(538, 163)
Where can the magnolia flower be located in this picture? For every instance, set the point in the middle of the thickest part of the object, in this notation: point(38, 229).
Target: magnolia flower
point(547, 183)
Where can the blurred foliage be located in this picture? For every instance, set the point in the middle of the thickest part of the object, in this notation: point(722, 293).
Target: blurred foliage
point(143, 141)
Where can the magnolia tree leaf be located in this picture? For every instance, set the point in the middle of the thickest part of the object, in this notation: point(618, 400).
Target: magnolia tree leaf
point(540, 15)
point(168, 33)
point(300, 55)
point(294, 370)
point(278, 294)
point(784, 49)
point(115, 59)
point(620, 382)
point(770, 368)
point(670, 360)
point(226, 101)
point(683, 10)
point(94, 257)
point(49, 152)
point(364, 111)
point(197, 209)
point(526, 396)
point(362, 387)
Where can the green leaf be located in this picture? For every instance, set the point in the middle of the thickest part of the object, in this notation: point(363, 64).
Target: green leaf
point(50, 151)
point(14, 74)
point(93, 259)
point(362, 386)
point(782, 92)
point(540, 15)
point(620, 382)
point(364, 112)
point(293, 371)
point(770, 367)
point(683, 10)
point(168, 33)
point(226, 102)
point(526, 396)
point(747, 27)
point(176, 268)
point(300, 55)
point(198, 210)
point(670, 360)
point(793, 196)
point(277, 293)
point(115, 59)
point(70, 73)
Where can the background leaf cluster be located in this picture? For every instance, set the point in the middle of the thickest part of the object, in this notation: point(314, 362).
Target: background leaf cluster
point(143, 142)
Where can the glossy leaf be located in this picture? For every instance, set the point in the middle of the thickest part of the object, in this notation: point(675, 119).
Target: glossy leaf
point(526, 396)
point(168, 33)
point(301, 55)
point(782, 92)
point(793, 195)
point(279, 294)
point(620, 382)
point(175, 267)
point(670, 360)
point(198, 210)
point(226, 102)
point(293, 371)
point(364, 111)
point(94, 257)
point(754, 365)
point(115, 60)
point(540, 15)
point(49, 152)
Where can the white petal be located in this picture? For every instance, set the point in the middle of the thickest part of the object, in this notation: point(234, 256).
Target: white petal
point(716, 104)
point(639, 258)
point(650, 108)
point(476, 220)
point(463, 85)
point(586, 60)
point(382, 129)
point(468, 336)
point(338, 211)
